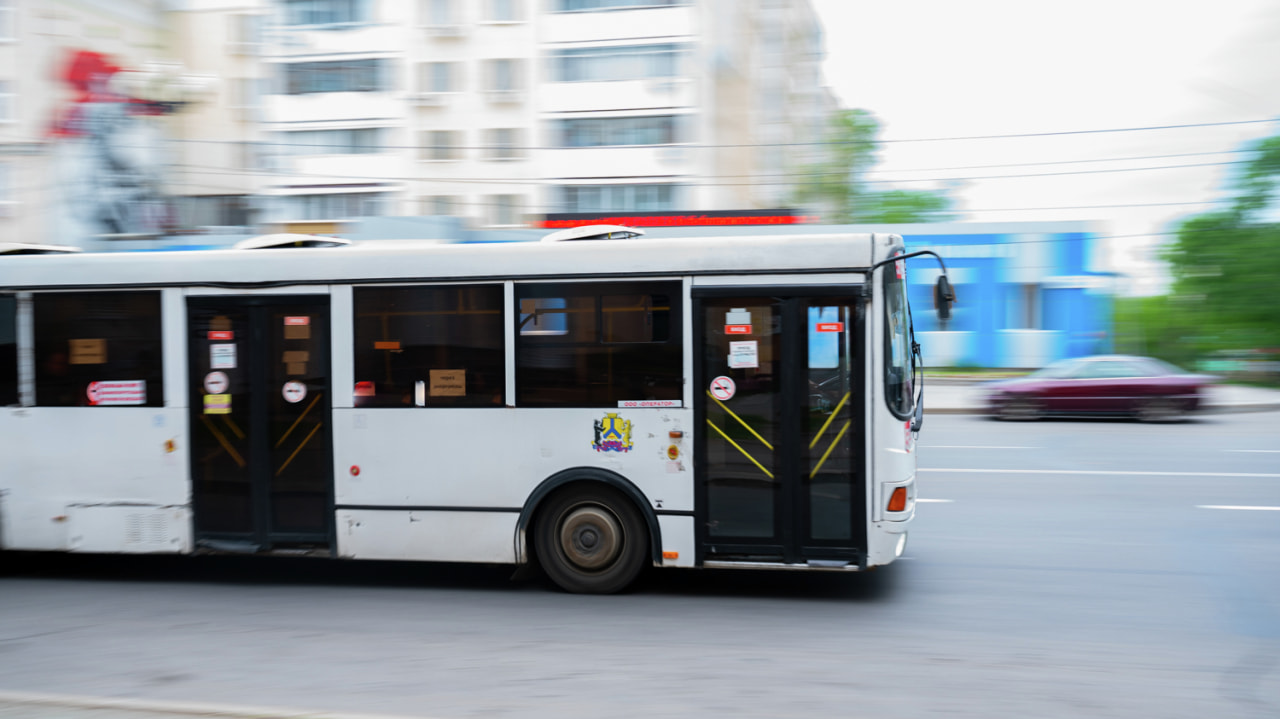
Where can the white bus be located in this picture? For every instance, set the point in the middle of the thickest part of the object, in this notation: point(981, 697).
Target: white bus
point(595, 407)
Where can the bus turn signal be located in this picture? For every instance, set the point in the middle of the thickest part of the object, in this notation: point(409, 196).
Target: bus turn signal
point(898, 500)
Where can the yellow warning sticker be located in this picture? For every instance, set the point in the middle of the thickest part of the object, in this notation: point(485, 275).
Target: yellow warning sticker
point(217, 404)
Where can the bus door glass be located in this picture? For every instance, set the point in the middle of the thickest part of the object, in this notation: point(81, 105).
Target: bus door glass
point(780, 406)
point(260, 436)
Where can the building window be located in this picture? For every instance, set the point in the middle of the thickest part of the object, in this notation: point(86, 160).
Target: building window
point(502, 10)
point(593, 5)
point(439, 77)
point(440, 205)
point(334, 206)
point(246, 98)
point(440, 13)
point(98, 349)
point(214, 210)
point(245, 31)
point(8, 102)
point(326, 12)
point(504, 75)
point(429, 346)
point(503, 143)
point(7, 200)
point(612, 131)
point(1025, 309)
point(8, 350)
point(618, 198)
point(627, 62)
point(596, 344)
point(503, 209)
point(441, 145)
point(8, 20)
point(348, 141)
point(368, 75)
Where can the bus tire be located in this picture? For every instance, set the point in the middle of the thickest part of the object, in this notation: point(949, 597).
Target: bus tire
point(590, 539)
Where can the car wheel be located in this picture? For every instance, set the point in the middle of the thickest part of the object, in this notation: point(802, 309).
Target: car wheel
point(1160, 409)
point(591, 540)
point(1021, 409)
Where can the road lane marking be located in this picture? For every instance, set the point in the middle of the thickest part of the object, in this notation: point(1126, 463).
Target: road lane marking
point(1260, 451)
point(970, 446)
point(1235, 506)
point(1100, 472)
point(133, 707)
point(935, 500)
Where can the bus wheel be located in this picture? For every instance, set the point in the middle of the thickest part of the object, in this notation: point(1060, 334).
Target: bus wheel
point(590, 540)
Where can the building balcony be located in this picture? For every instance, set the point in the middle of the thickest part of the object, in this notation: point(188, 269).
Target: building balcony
point(623, 23)
point(613, 161)
point(661, 92)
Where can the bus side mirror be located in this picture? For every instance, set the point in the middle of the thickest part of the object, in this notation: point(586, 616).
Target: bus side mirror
point(943, 297)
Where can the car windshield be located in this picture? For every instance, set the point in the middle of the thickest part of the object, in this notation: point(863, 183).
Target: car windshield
point(1056, 370)
point(1165, 367)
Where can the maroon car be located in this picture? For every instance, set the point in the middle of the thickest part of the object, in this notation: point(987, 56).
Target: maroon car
point(1117, 385)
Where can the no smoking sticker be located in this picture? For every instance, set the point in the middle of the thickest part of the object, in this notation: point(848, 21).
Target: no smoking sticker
point(294, 391)
point(216, 382)
point(723, 388)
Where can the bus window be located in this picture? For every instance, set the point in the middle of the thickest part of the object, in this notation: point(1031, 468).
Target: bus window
point(8, 350)
point(98, 349)
point(598, 344)
point(897, 342)
point(429, 346)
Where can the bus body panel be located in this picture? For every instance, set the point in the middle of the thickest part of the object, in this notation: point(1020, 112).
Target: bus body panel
point(424, 535)
point(59, 458)
point(890, 438)
point(494, 458)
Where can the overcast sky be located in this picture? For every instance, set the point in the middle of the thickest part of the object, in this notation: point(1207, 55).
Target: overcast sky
point(947, 68)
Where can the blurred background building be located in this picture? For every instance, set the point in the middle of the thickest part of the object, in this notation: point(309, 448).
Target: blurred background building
point(496, 111)
point(172, 124)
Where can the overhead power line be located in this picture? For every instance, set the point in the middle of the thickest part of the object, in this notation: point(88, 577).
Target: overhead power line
point(1082, 132)
point(816, 143)
point(703, 180)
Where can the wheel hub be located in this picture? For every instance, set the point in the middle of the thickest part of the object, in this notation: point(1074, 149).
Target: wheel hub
point(591, 537)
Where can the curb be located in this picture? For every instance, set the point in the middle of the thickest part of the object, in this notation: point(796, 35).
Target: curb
point(176, 709)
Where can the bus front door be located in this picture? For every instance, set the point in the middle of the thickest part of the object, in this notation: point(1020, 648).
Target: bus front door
point(780, 404)
point(261, 456)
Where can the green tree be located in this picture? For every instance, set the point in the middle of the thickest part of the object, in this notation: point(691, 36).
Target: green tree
point(837, 182)
point(1226, 264)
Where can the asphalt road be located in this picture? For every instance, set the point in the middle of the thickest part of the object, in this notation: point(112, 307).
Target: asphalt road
point(1059, 569)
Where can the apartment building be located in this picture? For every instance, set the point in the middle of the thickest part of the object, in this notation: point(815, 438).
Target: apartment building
point(218, 165)
point(124, 121)
point(500, 110)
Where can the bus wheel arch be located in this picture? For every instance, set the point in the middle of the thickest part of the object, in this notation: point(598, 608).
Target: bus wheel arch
point(582, 525)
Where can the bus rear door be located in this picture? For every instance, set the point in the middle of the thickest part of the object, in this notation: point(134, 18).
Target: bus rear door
point(261, 451)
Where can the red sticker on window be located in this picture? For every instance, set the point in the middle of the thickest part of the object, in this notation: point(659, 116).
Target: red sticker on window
point(222, 335)
point(737, 329)
point(830, 327)
point(297, 321)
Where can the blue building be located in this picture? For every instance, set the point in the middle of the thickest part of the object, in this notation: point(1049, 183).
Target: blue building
point(1027, 293)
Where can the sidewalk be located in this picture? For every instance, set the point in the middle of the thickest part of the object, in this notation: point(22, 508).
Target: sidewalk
point(960, 396)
